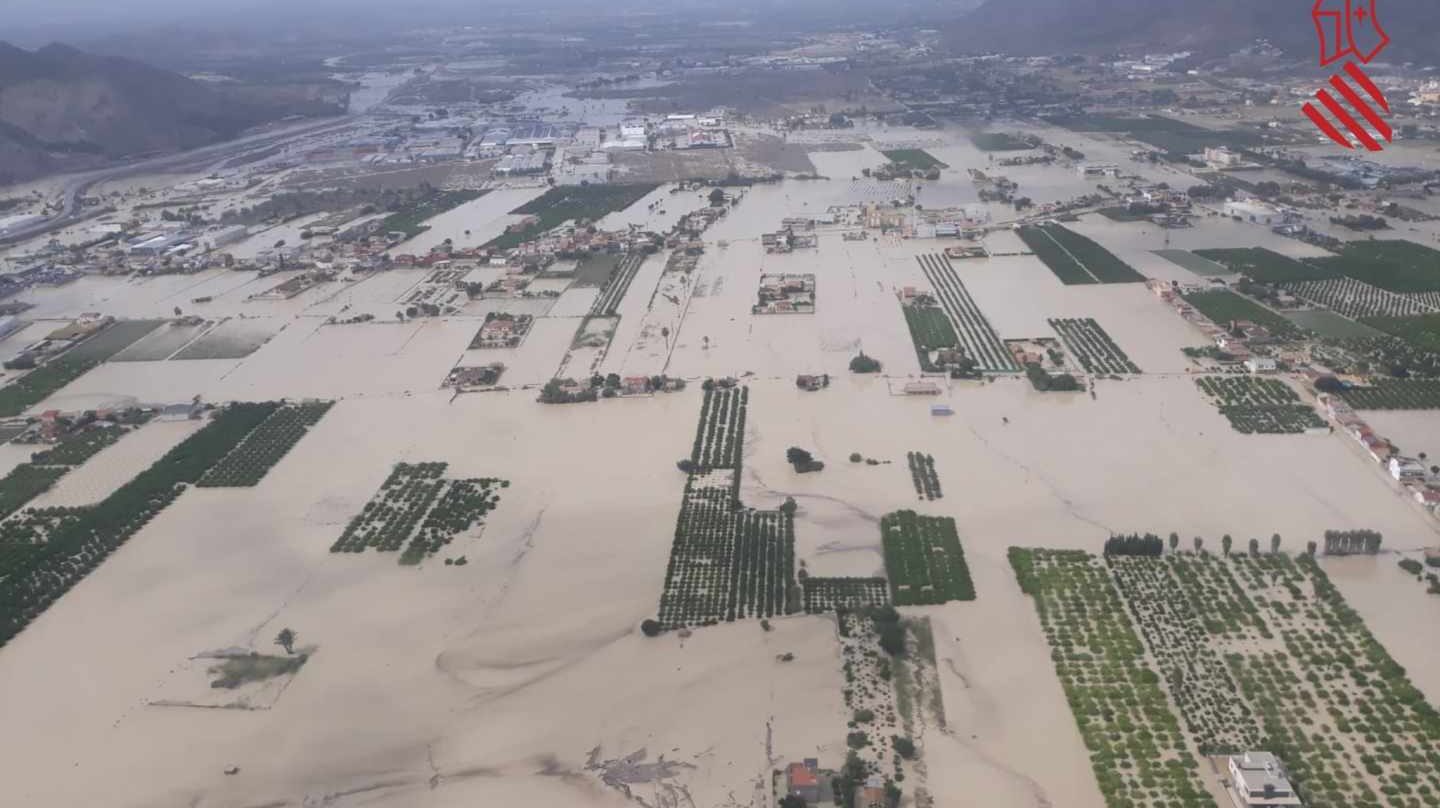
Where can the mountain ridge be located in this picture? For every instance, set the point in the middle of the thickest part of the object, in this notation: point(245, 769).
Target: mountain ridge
point(62, 108)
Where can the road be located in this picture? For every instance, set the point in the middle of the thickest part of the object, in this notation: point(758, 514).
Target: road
point(77, 185)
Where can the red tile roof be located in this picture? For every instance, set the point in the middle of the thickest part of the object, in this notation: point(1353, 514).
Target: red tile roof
point(801, 776)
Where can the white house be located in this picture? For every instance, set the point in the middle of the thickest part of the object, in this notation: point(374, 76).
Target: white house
point(1259, 782)
point(1253, 211)
point(1406, 468)
point(1260, 364)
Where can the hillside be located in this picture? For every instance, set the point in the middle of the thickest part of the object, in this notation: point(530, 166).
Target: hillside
point(62, 109)
point(1035, 27)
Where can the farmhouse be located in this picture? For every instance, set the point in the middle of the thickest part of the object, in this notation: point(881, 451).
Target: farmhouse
point(1259, 782)
point(803, 780)
point(1406, 468)
point(1260, 364)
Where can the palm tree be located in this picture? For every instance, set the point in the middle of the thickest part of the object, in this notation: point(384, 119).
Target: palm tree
point(1254, 547)
point(1199, 545)
point(1174, 541)
point(1225, 542)
point(1274, 543)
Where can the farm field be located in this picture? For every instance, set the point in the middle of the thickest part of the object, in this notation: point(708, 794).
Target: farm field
point(1356, 299)
point(1313, 686)
point(1074, 258)
point(248, 463)
point(1330, 324)
point(1421, 330)
point(1266, 266)
point(161, 343)
point(930, 330)
point(235, 338)
point(923, 475)
point(74, 548)
point(420, 510)
point(1137, 745)
point(821, 595)
point(1000, 141)
point(1395, 394)
point(36, 385)
point(1092, 347)
point(411, 221)
point(1394, 265)
point(923, 559)
point(1260, 405)
point(977, 338)
point(727, 562)
point(615, 286)
point(1194, 262)
point(917, 159)
point(1223, 306)
point(561, 204)
point(656, 572)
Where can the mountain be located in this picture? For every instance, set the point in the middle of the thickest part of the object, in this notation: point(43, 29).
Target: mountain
point(64, 109)
point(1043, 27)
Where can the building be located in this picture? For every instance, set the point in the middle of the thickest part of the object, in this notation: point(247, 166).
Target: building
point(1088, 170)
point(9, 324)
point(1250, 210)
point(803, 780)
point(1406, 468)
point(1222, 158)
point(1260, 782)
point(633, 130)
point(1260, 364)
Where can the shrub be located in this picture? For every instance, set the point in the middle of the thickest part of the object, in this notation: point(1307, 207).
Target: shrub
point(865, 364)
point(650, 628)
point(904, 747)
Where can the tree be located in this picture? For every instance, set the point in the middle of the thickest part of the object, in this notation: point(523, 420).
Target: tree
point(1174, 541)
point(1274, 543)
point(286, 639)
point(788, 507)
point(1254, 547)
point(864, 364)
point(904, 747)
point(1199, 545)
point(717, 198)
point(1225, 543)
point(687, 465)
point(650, 628)
point(177, 314)
point(1310, 548)
point(792, 801)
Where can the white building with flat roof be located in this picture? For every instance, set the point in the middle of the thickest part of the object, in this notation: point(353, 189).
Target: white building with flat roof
point(1259, 781)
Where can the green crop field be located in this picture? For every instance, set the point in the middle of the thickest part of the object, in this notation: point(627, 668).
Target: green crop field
point(1001, 141)
point(1422, 330)
point(559, 205)
point(924, 560)
point(1189, 260)
point(918, 159)
point(1074, 258)
point(410, 221)
point(1267, 266)
point(1396, 265)
point(1222, 306)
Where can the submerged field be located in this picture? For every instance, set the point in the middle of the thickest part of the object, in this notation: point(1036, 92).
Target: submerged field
point(427, 683)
